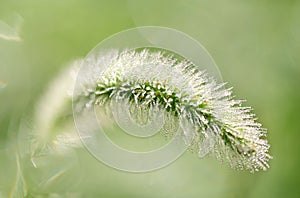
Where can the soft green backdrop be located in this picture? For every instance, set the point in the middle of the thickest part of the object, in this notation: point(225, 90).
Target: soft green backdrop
point(256, 45)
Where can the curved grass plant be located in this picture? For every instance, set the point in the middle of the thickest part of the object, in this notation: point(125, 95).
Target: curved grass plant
point(154, 78)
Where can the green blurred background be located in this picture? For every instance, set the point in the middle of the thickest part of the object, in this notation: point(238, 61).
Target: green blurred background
point(256, 45)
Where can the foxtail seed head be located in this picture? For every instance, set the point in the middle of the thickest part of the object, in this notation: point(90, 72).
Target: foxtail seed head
point(152, 78)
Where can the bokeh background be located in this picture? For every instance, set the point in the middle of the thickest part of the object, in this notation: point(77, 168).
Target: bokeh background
point(256, 45)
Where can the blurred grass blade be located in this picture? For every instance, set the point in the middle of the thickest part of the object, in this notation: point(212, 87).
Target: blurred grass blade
point(11, 32)
point(19, 189)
